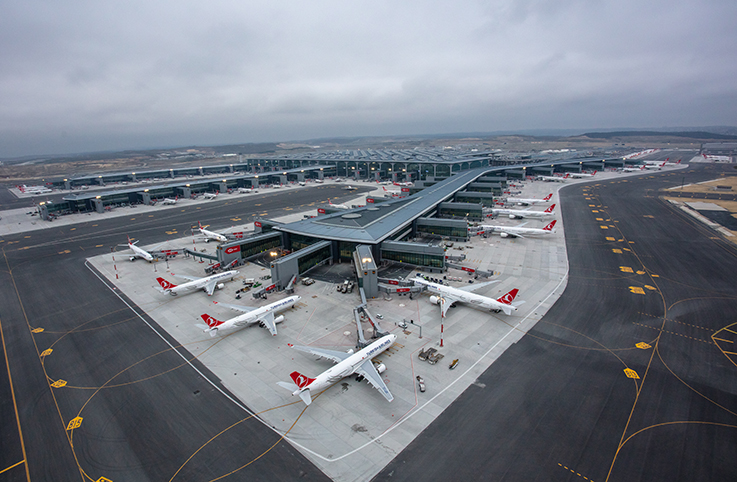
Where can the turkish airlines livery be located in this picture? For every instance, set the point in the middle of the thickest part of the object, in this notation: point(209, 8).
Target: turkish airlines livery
point(138, 252)
point(338, 206)
point(347, 363)
point(517, 231)
point(553, 178)
point(529, 202)
point(583, 174)
point(633, 169)
point(523, 213)
point(220, 238)
point(207, 284)
point(263, 315)
point(447, 296)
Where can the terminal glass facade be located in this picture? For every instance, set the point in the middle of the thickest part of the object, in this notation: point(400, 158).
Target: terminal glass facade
point(418, 259)
point(445, 231)
point(313, 259)
point(299, 241)
point(259, 246)
point(345, 250)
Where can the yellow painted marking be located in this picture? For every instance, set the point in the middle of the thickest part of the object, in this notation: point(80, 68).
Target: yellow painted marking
point(730, 353)
point(631, 373)
point(631, 242)
point(94, 225)
point(47, 352)
point(615, 250)
point(103, 479)
point(133, 219)
point(99, 246)
point(643, 346)
point(648, 216)
point(72, 229)
point(651, 288)
point(37, 330)
point(655, 275)
point(637, 290)
point(722, 339)
point(171, 232)
point(625, 269)
point(59, 383)
point(627, 249)
point(235, 219)
point(640, 272)
point(592, 205)
point(594, 211)
point(27, 237)
point(604, 227)
point(600, 219)
point(731, 331)
point(74, 423)
point(66, 251)
point(609, 238)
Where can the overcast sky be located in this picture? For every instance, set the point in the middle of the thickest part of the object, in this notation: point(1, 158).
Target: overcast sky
point(79, 76)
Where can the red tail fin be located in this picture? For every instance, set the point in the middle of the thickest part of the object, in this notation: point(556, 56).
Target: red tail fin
point(211, 322)
point(300, 380)
point(165, 284)
point(509, 297)
point(567, 174)
point(594, 174)
point(547, 198)
point(549, 227)
point(550, 209)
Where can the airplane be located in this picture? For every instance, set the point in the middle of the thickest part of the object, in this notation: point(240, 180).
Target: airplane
point(655, 166)
point(672, 163)
point(302, 183)
point(246, 190)
point(657, 162)
point(553, 178)
point(34, 189)
point(447, 296)
point(319, 181)
point(350, 188)
point(263, 315)
point(407, 184)
point(138, 252)
point(220, 238)
point(529, 202)
point(209, 195)
point(392, 193)
point(522, 213)
point(348, 363)
point(583, 174)
point(338, 206)
point(633, 169)
point(208, 284)
point(169, 200)
point(517, 231)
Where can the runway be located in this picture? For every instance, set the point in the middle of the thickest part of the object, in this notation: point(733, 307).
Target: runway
point(560, 406)
point(147, 409)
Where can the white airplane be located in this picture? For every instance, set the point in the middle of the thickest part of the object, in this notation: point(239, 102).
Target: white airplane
point(169, 200)
point(407, 184)
point(583, 174)
point(350, 188)
point(553, 178)
point(655, 166)
point(138, 252)
point(263, 315)
point(338, 206)
point(392, 193)
point(245, 190)
point(302, 183)
point(220, 238)
point(517, 231)
point(528, 202)
point(348, 363)
point(34, 189)
point(672, 163)
point(523, 213)
point(319, 181)
point(633, 169)
point(209, 195)
point(207, 284)
point(447, 296)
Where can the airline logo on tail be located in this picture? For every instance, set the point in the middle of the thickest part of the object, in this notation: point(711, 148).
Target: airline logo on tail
point(547, 198)
point(550, 209)
point(165, 284)
point(549, 227)
point(300, 380)
point(211, 322)
point(509, 297)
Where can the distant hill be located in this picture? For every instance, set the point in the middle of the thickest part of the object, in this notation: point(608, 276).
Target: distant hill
point(687, 135)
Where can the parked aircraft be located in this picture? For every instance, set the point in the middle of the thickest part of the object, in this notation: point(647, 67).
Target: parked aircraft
point(633, 169)
point(517, 231)
point(524, 213)
point(347, 363)
point(263, 315)
point(553, 178)
point(350, 188)
point(338, 206)
point(246, 190)
point(583, 174)
point(210, 195)
point(138, 252)
point(220, 238)
point(655, 166)
point(403, 184)
point(208, 284)
point(447, 296)
point(529, 202)
point(391, 193)
point(34, 189)
point(169, 200)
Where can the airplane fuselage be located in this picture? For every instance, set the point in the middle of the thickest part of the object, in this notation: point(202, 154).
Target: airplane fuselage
point(463, 296)
point(255, 316)
point(190, 286)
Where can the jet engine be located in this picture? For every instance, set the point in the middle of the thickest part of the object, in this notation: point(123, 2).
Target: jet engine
point(132, 258)
point(380, 367)
point(220, 286)
point(505, 235)
point(435, 300)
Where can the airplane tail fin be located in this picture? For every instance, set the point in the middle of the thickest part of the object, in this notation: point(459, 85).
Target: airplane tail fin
point(550, 226)
point(300, 380)
point(550, 209)
point(594, 173)
point(211, 322)
point(165, 284)
point(509, 297)
point(567, 175)
point(547, 198)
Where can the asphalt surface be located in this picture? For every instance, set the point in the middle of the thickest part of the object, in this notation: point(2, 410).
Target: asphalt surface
point(144, 411)
point(559, 405)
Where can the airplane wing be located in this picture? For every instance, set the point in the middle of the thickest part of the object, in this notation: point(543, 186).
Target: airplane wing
point(513, 234)
point(268, 320)
point(190, 278)
point(474, 287)
point(335, 356)
point(210, 287)
point(446, 302)
point(241, 308)
point(368, 371)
